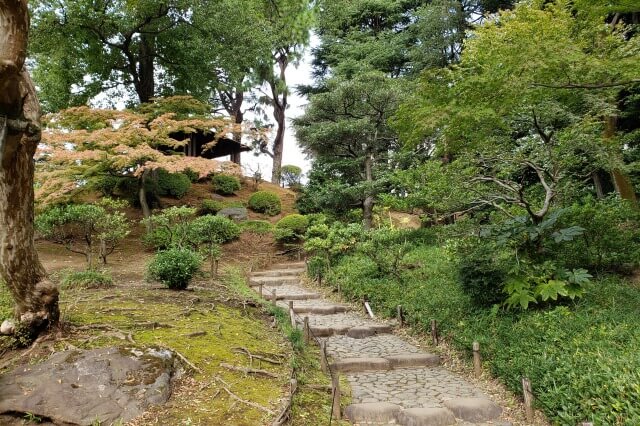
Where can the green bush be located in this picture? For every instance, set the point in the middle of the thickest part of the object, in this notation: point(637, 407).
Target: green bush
point(482, 273)
point(106, 184)
point(210, 207)
point(265, 202)
point(173, 184)
point(225, 184)
point(291, 228)
point(215, 228)
point(87, 279)
point(257, 226)
point(171, 228)
point(174, 267)
point(192, 175)
point(611, 237)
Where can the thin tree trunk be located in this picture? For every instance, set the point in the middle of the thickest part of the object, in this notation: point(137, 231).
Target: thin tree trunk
point(238, 118)
point(35, 297)
point(367, 205)
point(142, 198)
point(279, 111)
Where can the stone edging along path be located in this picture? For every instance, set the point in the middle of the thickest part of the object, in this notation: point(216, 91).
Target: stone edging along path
point(392, 381)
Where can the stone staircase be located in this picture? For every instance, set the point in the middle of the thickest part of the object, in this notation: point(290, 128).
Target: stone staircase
point(392, 381)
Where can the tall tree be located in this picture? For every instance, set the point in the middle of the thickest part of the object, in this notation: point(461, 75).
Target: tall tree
point(82, 48)
point(288, 23)
point(36, 298)
point(350, 121)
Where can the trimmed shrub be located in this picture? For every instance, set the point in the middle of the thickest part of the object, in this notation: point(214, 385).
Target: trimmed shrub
point(225, 184)
point(291, 228)
point(210, 207)
point(87, 279)
point(216, 229)
point(265, 202)
point(192, 175)
point(256, 226)
point(174, 267)
point(173, 184)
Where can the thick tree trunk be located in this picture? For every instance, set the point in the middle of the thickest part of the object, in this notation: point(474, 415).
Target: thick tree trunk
point(621, 180)
point(597, 183)
point(146, 84)
point(35, 297)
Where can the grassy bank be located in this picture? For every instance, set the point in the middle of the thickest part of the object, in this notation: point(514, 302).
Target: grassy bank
point(582, 358)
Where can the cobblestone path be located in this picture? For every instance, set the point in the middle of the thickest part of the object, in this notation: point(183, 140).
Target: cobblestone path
point(392, 381)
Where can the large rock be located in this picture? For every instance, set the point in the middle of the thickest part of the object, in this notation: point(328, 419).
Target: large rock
point(234, 213)
point(82, 387)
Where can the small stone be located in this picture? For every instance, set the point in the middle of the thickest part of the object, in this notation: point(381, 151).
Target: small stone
point(425, 417)
point(381, 412)
point(8, 327)
point(474, 409)
point(234, 213)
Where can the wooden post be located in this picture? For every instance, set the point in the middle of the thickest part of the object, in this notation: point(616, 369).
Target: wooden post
point(292, 314)
point(368, 309)
point(307, 334)
point(434, 332)
point(477, 360)
point(528, 399)
point(323, 356)
point(400, 320)
point(273, 297)
point(335, 391)
point(260, 290)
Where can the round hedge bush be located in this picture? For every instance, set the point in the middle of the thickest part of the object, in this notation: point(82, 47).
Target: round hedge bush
point(225, 184)
point(174, 267)
point(210, 207)
point(265, 202)
point(215, 228)
point(173, 184)
point(295, 222)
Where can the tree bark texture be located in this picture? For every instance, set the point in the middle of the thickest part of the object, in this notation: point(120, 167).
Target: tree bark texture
point(367, 205)
point(35, 297)
point(621, 180)
point(279, 109)
point(145, 84)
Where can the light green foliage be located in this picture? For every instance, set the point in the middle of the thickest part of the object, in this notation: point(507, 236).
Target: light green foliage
point(265, 202)
point(174, 267)
point(291, 175)
point(215, 229)
point(225, 184)
point(256, 226)
point(171, 228)
point(173, 184)
point(210, 207)
point(86, 279)
point(291, 228)
point(598, 385)
point(88, 229)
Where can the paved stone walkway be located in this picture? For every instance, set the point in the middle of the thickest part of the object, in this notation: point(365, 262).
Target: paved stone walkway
point(392, 381)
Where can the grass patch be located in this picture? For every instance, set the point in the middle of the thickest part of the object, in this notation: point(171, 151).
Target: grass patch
point(178, 314)
point(582, 359)
point(6, 302)
point(90, 278)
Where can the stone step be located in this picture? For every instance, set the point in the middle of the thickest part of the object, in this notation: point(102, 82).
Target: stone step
point(273, 281)
point(297, 296)
point(288, 265)
point(342, 329)
point(315, 307)
point(279, 272)
point(358, 365)
point(474, 410)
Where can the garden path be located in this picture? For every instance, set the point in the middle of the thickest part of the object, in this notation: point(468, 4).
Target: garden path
point(392, 381)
